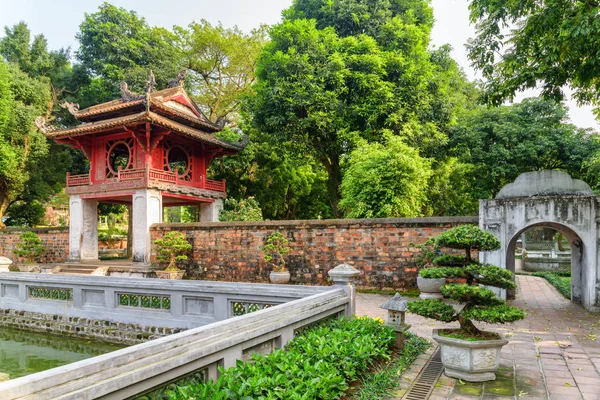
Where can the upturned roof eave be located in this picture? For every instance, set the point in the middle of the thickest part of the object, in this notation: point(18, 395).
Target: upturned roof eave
point(134, 119)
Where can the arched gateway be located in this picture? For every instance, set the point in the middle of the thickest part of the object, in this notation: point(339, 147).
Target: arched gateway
point(548, 199)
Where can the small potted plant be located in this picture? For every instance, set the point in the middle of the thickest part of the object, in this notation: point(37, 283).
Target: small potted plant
point(274, 252)
point(29, 248)
point(467, 352)
point(172, 248)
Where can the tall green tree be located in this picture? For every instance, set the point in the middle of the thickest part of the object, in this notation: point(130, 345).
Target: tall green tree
point(355, 71)
point(29, 58)
point(549, 44)
point(22, 99)
point(501, 143)
point(385, 180)
point(117, 45)
point(221, 63)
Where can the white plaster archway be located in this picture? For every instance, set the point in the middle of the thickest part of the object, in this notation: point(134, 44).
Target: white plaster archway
point(550, 199)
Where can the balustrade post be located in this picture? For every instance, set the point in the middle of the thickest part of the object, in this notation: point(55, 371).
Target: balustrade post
point(68, 176)
point(147, 173)
point(343, 276)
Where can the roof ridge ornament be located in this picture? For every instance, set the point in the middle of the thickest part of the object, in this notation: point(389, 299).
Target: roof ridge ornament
point(178, 81)
point(150, 83)
point(72, 107)
point(126, 94)
point(43, 126)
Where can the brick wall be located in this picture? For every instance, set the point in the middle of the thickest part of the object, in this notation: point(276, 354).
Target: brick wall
point(55, 240)
point(382, 249)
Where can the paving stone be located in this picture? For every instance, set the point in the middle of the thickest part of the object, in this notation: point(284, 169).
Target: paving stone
point(551, 346)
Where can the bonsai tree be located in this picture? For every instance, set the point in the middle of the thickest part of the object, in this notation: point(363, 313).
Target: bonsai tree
point(476, 303)
point(275, 250)
point(172, 248)
point(29, 247)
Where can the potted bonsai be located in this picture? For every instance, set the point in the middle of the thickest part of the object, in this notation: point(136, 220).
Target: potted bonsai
point(29, 248)
point(274, 252)
point(467, 352)
point(172, 248)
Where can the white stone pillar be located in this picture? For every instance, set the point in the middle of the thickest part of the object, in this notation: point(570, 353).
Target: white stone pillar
point(146, 210)
point(83, 229)
point(209, 212)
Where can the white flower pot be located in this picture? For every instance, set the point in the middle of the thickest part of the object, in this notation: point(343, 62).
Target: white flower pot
point(279, 277)
point(471, 361)
point(430, 288)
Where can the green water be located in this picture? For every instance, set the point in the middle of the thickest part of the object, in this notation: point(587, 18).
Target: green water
point(23, 353)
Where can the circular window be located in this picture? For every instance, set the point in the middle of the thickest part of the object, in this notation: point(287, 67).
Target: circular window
point(178, 160)
point(119, 156)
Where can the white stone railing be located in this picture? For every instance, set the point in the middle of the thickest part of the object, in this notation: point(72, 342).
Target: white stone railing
point(147, 302)
point(141, 368)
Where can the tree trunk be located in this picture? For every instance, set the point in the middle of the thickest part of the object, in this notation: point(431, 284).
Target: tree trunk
point(467, 326)
point(334, 180)
point(4, 203)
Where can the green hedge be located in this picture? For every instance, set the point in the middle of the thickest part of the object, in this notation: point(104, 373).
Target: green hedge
point(317, 364)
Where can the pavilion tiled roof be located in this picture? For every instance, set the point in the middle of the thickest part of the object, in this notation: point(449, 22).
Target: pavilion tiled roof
point(136, 119)
point(171, 108)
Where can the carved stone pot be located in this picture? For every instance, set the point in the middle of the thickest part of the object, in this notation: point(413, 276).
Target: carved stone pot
point(430, 287)
point(170, 274)
point(471, 361)
point(279, 277)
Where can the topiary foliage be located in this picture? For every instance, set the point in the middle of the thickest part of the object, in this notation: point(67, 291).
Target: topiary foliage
point(29, 247)
point(172, 248)
point(441, 272)
point(467, 237)
point(477, 303)
point(449, 260)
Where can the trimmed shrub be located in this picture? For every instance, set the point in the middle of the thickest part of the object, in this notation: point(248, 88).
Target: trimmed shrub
point(318, 364)
point(29, 247)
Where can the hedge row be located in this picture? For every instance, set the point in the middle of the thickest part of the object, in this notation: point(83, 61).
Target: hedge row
point(318, 364)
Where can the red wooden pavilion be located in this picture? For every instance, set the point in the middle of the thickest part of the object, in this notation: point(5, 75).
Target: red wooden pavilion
point(147, 151)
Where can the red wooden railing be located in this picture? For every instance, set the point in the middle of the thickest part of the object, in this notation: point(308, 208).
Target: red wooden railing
point(151, 174)
point(78, 180)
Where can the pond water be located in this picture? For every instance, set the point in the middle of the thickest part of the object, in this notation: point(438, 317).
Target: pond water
point(23, 353)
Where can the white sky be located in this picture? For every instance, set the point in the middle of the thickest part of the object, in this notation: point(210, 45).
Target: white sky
point(59, 20)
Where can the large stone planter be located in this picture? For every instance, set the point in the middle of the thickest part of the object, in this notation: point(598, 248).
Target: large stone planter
point(170, 274)
point(430, 288)
point(472, 361)
point(279, 277)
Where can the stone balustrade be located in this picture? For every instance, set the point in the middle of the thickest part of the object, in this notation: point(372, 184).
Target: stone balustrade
point(146, 302)
point(141, 368)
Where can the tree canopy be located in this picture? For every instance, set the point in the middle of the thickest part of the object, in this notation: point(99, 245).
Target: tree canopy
point(327, 82)
point(526, 44)
point(503, 142)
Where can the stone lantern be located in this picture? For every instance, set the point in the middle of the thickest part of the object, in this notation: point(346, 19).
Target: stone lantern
point(397, 307)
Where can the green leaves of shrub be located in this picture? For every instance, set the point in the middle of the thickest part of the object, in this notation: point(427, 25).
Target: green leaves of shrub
point(434, 309)
point(467, 237)
point(492, 275)
point(442, 272)
point(318, 364)
point(449, 260)
point(474, 295)
point(499, 314)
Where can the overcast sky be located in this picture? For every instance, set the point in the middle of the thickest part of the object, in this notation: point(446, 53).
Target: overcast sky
point(59, 20)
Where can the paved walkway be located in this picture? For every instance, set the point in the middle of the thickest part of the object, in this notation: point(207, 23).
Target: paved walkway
point(553, 353)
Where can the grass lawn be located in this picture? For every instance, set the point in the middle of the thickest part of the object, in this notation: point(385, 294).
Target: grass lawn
point(560, 280)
